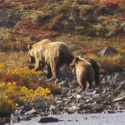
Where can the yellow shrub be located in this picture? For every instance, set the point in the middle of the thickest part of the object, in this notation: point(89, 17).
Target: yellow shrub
point(2, 67)
point(22, 71)
point(11, 91)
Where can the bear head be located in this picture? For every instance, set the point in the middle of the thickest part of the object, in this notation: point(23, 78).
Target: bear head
point(31, 56)
point(76, 61)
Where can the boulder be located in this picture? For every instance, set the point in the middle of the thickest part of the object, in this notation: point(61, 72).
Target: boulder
point(108, 51)
point(8, 17)
point(48, 120)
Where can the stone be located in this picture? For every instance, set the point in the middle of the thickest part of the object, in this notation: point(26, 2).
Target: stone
point(42, 105)
point(48, 120)
point(8, 17)
point(73, 83)
point(85, 106)
point(63, 84)
point(14, 118)
point(123, 86)
point(65, 74)
point(108, 51)
point(120, 77)
point(73, 108)
point(31, 112)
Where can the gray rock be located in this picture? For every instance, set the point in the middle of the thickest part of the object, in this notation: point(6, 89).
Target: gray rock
point(18, 111)
point(120, 77)
point(113, 78)
point(14, 118)
point(31, 112)
point(98, 108)
point(123, 86)
point(65, 90)
point(43, 106)
point(65, 74)
point(108, 51)
point(63, 84)
point(73, 84)
point(8, 17)
point(73, 109)
point(52, 107)
point(48, 120)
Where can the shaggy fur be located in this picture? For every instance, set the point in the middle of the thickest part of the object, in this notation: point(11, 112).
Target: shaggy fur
point(52, 54)
point(33, 49)
point(84, 72)
point(96, 70)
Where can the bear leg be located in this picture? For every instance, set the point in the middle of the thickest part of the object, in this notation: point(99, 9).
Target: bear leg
point(96, 70)
point(83, 83)
point(49, 75)
point(53, 70)
point(32, 59)
point(97, 78)
point(37, 65)
point(90, 83)
point(42, 65)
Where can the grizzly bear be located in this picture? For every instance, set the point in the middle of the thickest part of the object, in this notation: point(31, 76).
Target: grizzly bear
point(83, 71)
point(52, 54)
point(41, 43)
point(96, 69)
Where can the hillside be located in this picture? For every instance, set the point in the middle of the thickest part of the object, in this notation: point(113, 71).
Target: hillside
point(87, 26)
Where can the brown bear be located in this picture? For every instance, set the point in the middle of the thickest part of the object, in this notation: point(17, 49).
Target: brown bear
point(41, 43)
point(52, 54)
point(83, 71)
point(96, 69)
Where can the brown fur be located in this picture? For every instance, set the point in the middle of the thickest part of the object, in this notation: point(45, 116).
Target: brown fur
point(96, 70)
point(52, 54)
point(84, 72)
point(33, 49)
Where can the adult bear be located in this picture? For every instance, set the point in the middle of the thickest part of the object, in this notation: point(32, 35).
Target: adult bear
point(34, 51)
point(96, 69)
point(52, 54)
point(83, 71)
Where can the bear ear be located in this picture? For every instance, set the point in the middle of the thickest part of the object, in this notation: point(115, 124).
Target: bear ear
point(29, 46)
point(77, 59)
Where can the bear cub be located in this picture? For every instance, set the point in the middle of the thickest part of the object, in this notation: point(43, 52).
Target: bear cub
point(96, 70)
point(83, 71)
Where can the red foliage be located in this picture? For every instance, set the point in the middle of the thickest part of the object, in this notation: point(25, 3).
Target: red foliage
point(53, 1)
point(28, 28)
point(108, 3)
point(5, 4)
point(121, 18)
point(12, 37)
point(7, 78)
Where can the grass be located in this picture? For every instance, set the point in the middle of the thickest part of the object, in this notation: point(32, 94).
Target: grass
point(85, 46)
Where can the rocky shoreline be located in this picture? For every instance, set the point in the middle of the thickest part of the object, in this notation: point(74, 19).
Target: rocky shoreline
point(108, 97)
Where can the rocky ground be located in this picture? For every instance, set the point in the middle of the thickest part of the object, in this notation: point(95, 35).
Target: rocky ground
point(108, 97)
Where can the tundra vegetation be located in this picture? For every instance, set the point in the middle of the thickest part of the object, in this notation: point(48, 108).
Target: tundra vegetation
point(86, 26)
